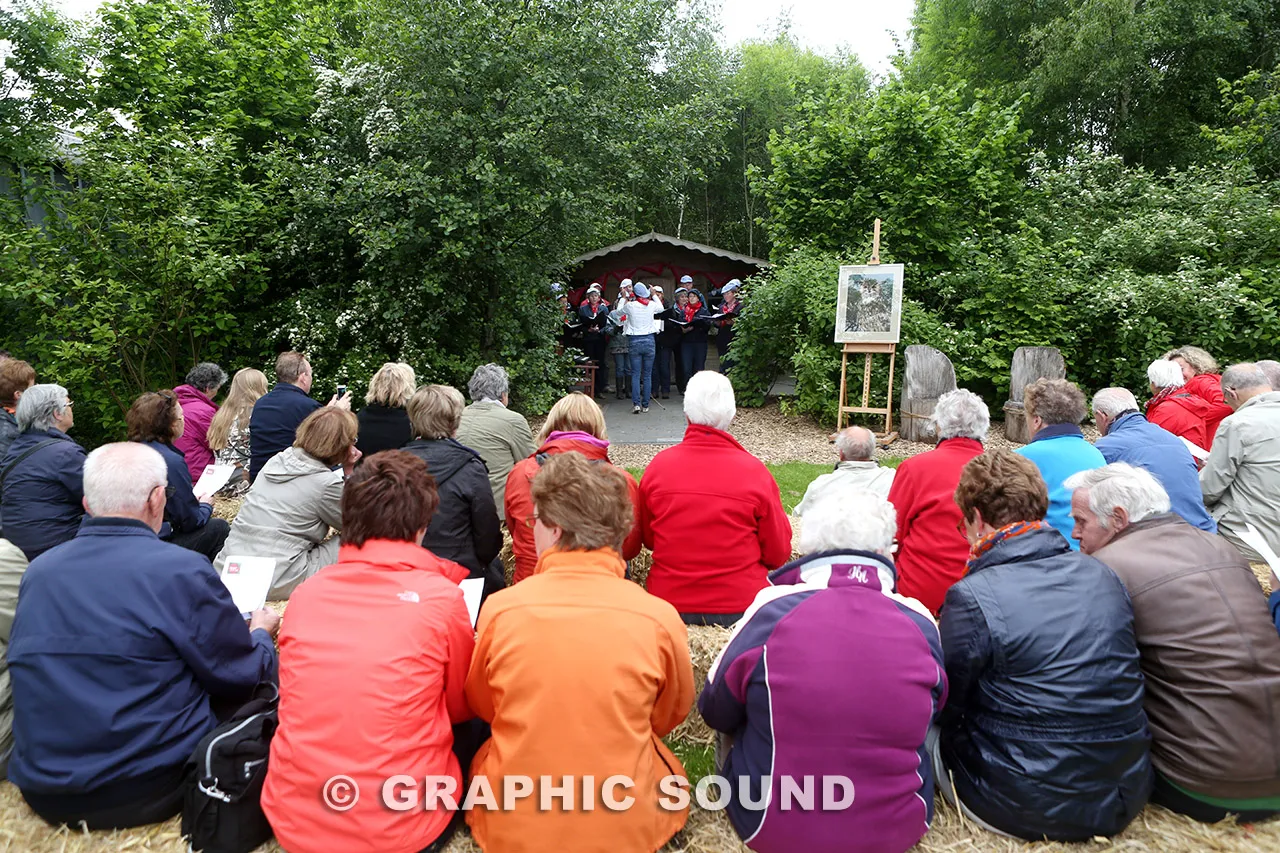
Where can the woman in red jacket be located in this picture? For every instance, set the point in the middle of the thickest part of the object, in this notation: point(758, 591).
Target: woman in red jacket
point(373, 663)
point(932, 546)
point(1174, 408)
point(1200, 373)
point(575, 424)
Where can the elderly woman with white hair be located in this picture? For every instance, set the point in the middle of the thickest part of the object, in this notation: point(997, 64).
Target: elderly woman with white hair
point(711, 513)
point(1175, 409)
point(869, 725)
point(1200, 373)
point(1210, 653)
point(41, 476)
point(932, 548)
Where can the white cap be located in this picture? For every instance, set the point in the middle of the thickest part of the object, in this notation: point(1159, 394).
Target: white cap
point(626, 282)
point(594, 288)
point(686, 279)
point(733, 284)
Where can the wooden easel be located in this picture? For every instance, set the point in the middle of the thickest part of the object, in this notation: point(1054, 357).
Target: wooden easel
point(869, 350)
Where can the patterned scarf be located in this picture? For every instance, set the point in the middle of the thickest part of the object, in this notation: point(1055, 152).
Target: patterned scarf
point(986, 543)
point(1165, 394)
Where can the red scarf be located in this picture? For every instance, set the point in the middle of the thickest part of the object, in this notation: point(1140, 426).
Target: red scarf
point(690, 310)
point(642, 301)
point(1165, 394)
point(986, 543)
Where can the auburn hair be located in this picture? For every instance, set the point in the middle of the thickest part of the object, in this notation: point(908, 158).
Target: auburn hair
point(391, 495)
point(15, 375)
point(589, 501)
point(153, 417)
point(1004, 487)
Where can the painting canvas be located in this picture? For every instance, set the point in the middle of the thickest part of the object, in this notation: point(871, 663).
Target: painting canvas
point(869, 309)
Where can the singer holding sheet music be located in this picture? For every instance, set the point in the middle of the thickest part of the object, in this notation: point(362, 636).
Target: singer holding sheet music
point(693, 346)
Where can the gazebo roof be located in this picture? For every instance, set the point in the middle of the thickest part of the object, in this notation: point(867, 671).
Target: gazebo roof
point(655, 237)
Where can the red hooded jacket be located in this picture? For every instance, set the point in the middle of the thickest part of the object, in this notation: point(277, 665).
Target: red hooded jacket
point(1208, 387)
point(518, 501)
point(713, 516)
point(932, 552)
point(1185, 415)
point(374, 654)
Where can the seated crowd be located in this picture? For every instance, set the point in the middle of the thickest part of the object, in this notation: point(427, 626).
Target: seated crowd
point(1050, 637)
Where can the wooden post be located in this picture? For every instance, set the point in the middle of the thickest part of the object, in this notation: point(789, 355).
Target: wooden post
point(868, 349)
point(875, 246)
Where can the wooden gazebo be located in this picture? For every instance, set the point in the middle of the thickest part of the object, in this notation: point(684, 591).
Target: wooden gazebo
point(662, 259)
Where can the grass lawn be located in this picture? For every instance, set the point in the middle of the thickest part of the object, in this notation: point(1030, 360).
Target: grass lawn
point(698, 760)
point(794, 477)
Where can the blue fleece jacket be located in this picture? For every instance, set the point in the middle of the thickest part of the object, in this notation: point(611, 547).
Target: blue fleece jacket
point(1059, 451)
point(1133, 439)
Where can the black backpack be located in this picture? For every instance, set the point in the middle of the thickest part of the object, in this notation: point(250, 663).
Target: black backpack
point(222, 783)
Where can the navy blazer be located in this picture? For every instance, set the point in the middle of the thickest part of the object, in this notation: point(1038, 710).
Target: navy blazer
point(119, 642)
point(42, 503)
point(274, 422)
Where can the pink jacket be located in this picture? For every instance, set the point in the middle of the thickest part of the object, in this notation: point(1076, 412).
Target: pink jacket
point(198, 411)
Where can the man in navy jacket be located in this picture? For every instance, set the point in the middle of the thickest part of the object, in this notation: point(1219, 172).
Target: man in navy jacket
point(276, 415)
point(124, 649)
point(1127, 436)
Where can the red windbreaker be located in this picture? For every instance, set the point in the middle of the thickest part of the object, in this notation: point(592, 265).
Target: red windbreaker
point(519, 503)
point(1208, 387)
point(1185, 415)
point(932, 552)
point(713, 516)
point(374, 654)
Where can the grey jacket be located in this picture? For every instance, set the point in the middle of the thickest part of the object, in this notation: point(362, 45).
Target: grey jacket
point(12, 564)
point(287, 515)
point(501, 437)
point(1210, 656)
point(869, 476)
point(1241, 478)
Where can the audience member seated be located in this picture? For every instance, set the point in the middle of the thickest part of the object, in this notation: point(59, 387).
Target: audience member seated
point(384, 423)
point(1175, 409)
point(12, 566)
point(229, 430)
point(1055, 410)
point(42, 474)
point(932, 549)
point(1200, 373)
point(824, 613)
point(575, 423)
point(276, 416)
point(711, 513)
point(124, 649)
point(155, 419)
point(1043, 732)
point(1241, 478)
point(16, 376)
point(1127, 436)
point(465, 526)
point(1210, 653)
point(501, 437)
point(198, 409)
point(856, 447)
point(296, 501)
point(581, 673)
point(1271, 370)
point(373, 665)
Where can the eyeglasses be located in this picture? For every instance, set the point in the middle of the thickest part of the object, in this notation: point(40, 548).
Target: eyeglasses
point(532, 520)
point(169, 491)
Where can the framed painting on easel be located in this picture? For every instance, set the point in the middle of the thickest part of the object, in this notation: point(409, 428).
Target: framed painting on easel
point(869, 307)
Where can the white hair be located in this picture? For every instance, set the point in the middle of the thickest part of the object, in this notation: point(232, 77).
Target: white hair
point(39, 405)
point(961, 414)
point(856, 443)
point(1271, 370)
point(849, 518)
point(1120, 485)
point(1165, 374)
point(488, 382)
point(118, 478)
point(1114, 401)
point(1237, 377)
point(708, 400)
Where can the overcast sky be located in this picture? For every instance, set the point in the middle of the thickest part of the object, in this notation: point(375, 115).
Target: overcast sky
point(866, 27)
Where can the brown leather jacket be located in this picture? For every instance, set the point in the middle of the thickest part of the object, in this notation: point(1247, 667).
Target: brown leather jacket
point(1210, 656)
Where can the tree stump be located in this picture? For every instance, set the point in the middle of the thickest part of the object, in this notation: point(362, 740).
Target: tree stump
point(929, 375)
point(1029, 364)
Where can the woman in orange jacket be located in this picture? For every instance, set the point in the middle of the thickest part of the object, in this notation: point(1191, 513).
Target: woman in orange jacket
point(576, 424)
point(581, 673)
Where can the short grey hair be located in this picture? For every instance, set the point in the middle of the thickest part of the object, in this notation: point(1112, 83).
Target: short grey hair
point(849, 518)
point(1163, 373)
point(961, 414)
point(39, 406)
point(1113, 402)
point(1237, 377)
point(709, 401)
point(1120, 485)
point(118, 478)
point(1270, 369)
point(489, 382)
point(206, 375)
point(856, 443)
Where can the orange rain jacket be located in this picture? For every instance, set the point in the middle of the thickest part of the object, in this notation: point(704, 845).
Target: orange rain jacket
point(374, 653)
point(580, 673)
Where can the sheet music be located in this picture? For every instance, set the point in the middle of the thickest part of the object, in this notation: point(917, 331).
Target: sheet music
point(248, 579)
point(472, 589)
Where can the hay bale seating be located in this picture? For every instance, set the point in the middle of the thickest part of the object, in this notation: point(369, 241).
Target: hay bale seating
point(1154, 831)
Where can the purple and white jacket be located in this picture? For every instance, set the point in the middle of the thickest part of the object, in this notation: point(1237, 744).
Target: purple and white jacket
point(829, 673)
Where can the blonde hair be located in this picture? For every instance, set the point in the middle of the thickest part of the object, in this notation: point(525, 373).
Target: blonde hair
point(435, 411)
point(1199, 360)
point(392, 385)
point(246, 387)
point(327, 434)
point(574, 412)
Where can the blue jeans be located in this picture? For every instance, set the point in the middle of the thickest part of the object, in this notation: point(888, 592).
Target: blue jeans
point(662, 370)
point(694, 356)
point(642, 349)
point(620, 360)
